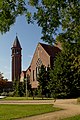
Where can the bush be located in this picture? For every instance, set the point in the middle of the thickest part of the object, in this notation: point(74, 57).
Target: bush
point(11, 94)
point(78, 100)
point(4, 94)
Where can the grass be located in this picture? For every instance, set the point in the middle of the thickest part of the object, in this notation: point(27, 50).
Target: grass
point(9, 112)
point(77, 117)
point(25, 98)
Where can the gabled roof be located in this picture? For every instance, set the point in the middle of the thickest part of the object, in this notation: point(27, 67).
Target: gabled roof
point(16, 43)
point(24, 72)
point(51, 50)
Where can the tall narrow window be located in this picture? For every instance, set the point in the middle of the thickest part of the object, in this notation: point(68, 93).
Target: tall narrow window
point(33, 75)
point(36, 72)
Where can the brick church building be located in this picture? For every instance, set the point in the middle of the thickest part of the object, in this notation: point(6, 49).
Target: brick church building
point(44, 54)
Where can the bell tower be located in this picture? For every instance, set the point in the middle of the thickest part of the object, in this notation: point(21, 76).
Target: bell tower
point(16, 59)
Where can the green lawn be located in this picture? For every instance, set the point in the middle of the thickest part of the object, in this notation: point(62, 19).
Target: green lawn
point(8, 112)
point(25, 98)
point(77, 117)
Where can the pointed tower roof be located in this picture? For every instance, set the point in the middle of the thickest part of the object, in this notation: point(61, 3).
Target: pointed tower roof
point(16, 43)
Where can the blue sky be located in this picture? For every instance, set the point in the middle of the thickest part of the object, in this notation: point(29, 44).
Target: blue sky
point(29, 35)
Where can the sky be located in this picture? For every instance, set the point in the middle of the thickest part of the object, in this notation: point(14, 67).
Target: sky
point(29, 35)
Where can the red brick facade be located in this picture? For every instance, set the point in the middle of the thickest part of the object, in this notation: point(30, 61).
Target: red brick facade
point(16, 60)
point(44, 54)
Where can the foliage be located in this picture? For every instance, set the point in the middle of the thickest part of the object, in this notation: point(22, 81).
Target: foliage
point(11, 94)
point(16, 87)
point(8, 112)
point(9, 10)
point(20, 88)
point(44, 81)
point(58, 19)
point(2, 82)
point(1, 76)
point(4, 94)
point(76, 117)
point(78, 100)
point(25, 98)
point(29, 89)
point(66, 73)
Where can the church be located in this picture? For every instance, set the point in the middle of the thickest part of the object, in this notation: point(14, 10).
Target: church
point(43, 55)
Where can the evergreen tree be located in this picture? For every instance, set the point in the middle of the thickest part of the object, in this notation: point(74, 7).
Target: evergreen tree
point(42, 80)
point(16, 87)
point(27, 86)
point(66, 73)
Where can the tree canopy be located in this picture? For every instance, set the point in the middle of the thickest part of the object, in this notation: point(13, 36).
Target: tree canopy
point(65, 77)
point(59, 19)
point(9, 10)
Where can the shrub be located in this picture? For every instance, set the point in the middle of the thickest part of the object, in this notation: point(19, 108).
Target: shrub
point(4, 94)
point(78, 100)
point(11, 94)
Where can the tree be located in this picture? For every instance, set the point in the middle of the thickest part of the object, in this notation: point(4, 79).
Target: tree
point(1, 76)
point(49, 82)
point(27, 86)
point(59, 19)
point(9, 10)
point(16, 87)
point(42, 80)
point(21, 89)
point(66, 73)
point(2, 82)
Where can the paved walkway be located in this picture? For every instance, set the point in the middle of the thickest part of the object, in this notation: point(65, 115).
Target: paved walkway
point(69, 106)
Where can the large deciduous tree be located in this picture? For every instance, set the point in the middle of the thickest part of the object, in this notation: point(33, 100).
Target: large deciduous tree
point(9, 10)
point(58, 19)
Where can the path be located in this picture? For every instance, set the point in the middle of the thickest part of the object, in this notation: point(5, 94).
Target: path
point(70, 109)
point(69, 105)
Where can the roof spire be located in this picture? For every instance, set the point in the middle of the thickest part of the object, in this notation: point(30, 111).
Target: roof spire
point(16, 34)
point(16, 42)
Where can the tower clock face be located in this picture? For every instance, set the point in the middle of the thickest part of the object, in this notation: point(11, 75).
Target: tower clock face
point(17, 52)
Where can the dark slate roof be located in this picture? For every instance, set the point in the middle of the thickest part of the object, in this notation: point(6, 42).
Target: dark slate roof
point(51, 50)
point(16, 43)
